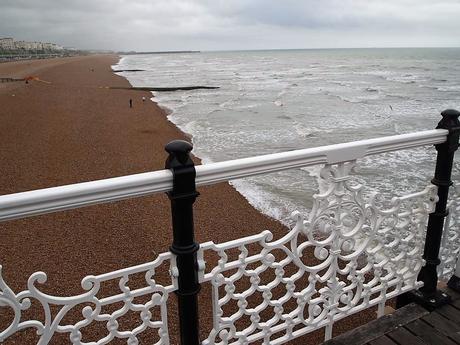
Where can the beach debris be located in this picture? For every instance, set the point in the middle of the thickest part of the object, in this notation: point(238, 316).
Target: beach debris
point(26, 79)
point(130, 103)
point(35, 78)
point(179, 88)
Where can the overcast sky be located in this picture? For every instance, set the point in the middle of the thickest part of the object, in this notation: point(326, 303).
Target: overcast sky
point(149, 25)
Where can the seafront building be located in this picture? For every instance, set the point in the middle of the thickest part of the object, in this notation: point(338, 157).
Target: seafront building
point(10, 49)
point(8, 44)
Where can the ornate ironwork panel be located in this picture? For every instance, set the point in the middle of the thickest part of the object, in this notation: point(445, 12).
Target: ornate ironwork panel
point(450, 245)
point(147, 300)
point(355, 249)
point(351, 252)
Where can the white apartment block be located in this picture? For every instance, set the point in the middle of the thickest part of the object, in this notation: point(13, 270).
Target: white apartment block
point(21, 45)
point(36, 45)
point(10, 44)
point(7, 43)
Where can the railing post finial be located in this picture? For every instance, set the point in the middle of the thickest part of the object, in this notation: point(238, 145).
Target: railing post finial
point(182, 197)
point(429, 295)
point(450, 121)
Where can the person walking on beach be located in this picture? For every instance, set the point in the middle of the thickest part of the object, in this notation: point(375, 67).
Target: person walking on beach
point(143, 99)
point(130, 103)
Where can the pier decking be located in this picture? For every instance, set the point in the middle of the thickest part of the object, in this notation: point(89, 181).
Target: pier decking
point(410, 325)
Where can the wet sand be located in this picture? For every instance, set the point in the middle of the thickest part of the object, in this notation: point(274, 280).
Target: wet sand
point(69, 128)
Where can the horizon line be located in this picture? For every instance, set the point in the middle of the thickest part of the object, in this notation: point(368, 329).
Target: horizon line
point(269, 49)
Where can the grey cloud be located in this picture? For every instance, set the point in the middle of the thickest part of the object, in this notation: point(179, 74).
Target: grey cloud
point(236, 24)
point(347, 13)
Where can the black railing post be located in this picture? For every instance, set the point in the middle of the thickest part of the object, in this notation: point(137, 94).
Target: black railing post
point(182, 197)
point(429, 295)
point(454, 281)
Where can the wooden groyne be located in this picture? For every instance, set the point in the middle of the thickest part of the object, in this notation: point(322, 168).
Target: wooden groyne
point(9, 80)
point(178, 88)
point(128, 70)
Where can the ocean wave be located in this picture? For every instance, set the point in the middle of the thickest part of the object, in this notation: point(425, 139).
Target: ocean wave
point(449, 88)
point(358, 99)
point(371, 89)
point(166, 109)
point(439, 80)
point(431, 87)
point(284, 117)
point(403, 81)
point(397, 96)
point(341, 83)
point(283, 92)
point(222, 124)
point(302, 130)
point(266, 202)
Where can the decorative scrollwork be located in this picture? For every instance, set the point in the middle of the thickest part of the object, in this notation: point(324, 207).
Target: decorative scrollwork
point(91, 305)
point(450, 245)
point(353, 250)
point(350, 253)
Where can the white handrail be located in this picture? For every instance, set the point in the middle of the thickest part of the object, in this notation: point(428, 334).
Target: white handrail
point(239, 168)
point(20, 205)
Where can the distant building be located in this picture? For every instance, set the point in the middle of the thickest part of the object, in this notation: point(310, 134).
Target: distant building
point(36, 46)
point(21, 45)
point(56, 47)
point(7, 43)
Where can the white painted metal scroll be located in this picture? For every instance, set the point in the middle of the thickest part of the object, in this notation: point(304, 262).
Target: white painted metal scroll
point(348, 254)
point(449, 252)
point(93, 307)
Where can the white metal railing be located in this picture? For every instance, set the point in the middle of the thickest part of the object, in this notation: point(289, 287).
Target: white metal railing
point(54, 199)
point(318, 265)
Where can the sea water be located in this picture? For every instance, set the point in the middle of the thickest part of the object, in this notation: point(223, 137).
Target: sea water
point(281, 100)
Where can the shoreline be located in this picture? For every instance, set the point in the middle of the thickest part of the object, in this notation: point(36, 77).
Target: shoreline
point(73, 129)
point(252, 196)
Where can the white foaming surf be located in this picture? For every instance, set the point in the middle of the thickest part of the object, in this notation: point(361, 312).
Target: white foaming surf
point(274, 101)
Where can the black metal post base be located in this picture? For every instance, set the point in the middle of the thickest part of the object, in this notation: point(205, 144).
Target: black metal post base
point(429, 302)
point(429, 296)
point(182, 196)
point(454, 283)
